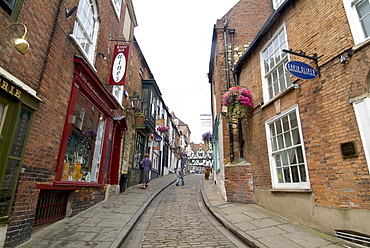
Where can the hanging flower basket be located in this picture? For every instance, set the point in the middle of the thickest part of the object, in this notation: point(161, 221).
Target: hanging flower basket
point(238, 102)
point(163, 129)
point(207, 137)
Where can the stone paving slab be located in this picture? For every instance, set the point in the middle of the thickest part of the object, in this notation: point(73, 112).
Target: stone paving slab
point(260, 227)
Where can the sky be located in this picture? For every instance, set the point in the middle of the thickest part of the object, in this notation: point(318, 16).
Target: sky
point(175, 37)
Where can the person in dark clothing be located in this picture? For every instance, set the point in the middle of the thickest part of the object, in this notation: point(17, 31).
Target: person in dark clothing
point(146, 167)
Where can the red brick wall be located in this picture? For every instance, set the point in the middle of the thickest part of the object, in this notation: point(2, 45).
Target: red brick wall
point(48, 68)
point(326, 115)
point(239, 183)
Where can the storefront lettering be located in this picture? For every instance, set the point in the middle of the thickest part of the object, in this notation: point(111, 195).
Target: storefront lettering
point(11, 89)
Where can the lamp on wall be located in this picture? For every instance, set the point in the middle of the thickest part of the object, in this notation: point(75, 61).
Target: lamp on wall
point(135, 101)
point(20, 44)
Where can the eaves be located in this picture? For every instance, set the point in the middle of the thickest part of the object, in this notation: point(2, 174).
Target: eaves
point(271, 21)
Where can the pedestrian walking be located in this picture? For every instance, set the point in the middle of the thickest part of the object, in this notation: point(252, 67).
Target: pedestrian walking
point(207, 168)
point(180, 165)
point(146, 167)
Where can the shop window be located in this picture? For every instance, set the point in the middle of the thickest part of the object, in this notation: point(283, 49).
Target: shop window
point(83, 155)
point(358, 14)
point(286, 150)
point(275, 78)
point(12, 7)
point(86, 27)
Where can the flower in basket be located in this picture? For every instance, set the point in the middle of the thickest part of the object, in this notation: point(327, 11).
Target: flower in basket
point(207, 136)
point(238, 101)
point(163, 129)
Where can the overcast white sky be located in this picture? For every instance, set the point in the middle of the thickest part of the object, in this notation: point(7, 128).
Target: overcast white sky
point(175, 37)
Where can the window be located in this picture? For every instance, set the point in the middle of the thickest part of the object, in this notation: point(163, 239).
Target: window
point(362, 111)
point(83, 155)
point(117, 92)
point(86, 27)
point(274, 76)
point(286, 151)
point(12, 7)
point(127, 25)
point(117, 6)
point(277, 3)
point(358, 14)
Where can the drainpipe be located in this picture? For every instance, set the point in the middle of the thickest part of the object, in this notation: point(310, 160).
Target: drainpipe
point(231, 139)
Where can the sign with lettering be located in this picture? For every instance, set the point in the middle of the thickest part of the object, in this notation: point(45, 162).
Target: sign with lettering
point(301, 70)
point(10, 89)
point(157, 138)
point(119, 65)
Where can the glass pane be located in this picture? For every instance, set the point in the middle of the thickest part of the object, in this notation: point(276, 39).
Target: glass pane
point(300, 155)
point(278, 127)
point(280, 175)
point(3, 108)
point(9, 182)
point(295, 175)
point(302, 171)
point(296, 138)
point(281, 73)
point(288, 139)
point(278, 161)
point(293, 120)
point(287, 175)
point(20, 134)
point(285, 123)
point(274, 143)
point(284, 157)
point(280, 142)
point(293, 156)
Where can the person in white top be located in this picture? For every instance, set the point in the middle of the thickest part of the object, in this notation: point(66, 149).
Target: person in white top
point(180, 165)
point(207, 168)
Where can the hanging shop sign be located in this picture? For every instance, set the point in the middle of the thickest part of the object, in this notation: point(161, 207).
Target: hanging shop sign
point(119, 65)
point(157, 138)
point(301, 70)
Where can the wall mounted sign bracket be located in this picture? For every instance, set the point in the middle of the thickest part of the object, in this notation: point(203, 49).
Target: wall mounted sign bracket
point(314, 58)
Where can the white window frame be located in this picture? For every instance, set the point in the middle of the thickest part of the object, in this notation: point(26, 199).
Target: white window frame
point(277, 3)
point(117, 4)
point(81, 27)
point(354, 22)
point(127, 25)
point(362, 112)
point(270, 48)
point(273, 168)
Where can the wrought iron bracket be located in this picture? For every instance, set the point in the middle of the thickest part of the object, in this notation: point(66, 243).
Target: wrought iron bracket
point(314, 58)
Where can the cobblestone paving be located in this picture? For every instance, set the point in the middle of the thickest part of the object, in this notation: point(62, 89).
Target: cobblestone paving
point(178, 220)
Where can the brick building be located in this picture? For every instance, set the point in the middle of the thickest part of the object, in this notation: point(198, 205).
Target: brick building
point(305, 143)
point(61, 122)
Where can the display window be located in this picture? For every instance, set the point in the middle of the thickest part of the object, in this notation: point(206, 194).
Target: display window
point(84, 148)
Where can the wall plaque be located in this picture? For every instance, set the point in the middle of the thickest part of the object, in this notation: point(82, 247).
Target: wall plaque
point(348, 149)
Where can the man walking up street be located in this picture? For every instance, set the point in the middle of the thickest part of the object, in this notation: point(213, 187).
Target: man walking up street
point(180, 165)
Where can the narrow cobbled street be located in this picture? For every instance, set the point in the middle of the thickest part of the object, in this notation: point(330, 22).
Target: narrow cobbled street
point(178, 218)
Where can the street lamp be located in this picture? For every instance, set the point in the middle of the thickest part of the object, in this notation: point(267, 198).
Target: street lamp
point(135, 102)
point(20, 44)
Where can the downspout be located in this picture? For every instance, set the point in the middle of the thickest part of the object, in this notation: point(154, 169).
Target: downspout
point(240, 131)
point(231, 140)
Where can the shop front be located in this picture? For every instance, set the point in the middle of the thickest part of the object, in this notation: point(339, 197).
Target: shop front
point(86, 150)
point(18, 102)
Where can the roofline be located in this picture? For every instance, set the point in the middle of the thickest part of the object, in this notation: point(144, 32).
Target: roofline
point(272, 20)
